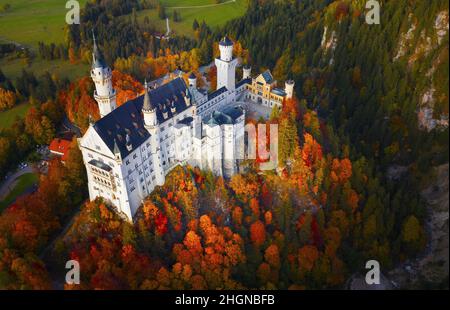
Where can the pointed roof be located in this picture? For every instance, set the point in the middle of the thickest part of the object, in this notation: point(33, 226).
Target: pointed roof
point(267, 76)
point(226, 41)
point(98, 60)
point(192, 76)
point(116, 148)
point(147, 106)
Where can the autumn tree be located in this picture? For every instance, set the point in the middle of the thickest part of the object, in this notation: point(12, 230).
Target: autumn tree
point(258, 233)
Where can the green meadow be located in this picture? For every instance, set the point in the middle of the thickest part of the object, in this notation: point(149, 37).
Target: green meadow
point(22, 183)
point(8, 117)
point(29, 21)
point(213, 14)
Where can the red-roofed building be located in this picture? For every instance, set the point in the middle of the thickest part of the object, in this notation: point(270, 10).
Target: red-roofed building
point(60, 148)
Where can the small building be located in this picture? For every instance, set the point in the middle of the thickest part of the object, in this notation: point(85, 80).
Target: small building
point(59, 147)
point(263, 89)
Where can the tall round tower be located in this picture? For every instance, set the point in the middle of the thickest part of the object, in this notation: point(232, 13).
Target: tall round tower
point(101, 74)
point(289, 88)
point(148, 110)
point(226, 49)
point(226, 65)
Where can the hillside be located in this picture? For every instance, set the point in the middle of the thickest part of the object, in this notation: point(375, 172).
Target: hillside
point(383, 88)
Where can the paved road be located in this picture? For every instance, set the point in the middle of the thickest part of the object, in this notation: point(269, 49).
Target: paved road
point(7, 185)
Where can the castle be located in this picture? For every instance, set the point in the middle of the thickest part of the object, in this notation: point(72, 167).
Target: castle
point(131, 148)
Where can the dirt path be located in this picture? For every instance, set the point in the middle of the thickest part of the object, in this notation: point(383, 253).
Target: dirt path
point(201, 6)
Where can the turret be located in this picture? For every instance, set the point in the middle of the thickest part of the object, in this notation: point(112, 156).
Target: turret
point(116, 151)
point(192, 79)
point(226, 49)
point(289, 89)
point(148, 109)
point(101, 74)
point(246, 72)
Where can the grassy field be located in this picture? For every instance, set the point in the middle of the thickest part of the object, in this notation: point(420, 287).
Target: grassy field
point(13, 68)
point(8, 117)
point(207, 10)
point(23, 182)
point(30, 21)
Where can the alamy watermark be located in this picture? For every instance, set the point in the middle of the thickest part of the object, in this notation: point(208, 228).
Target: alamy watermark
point(373, 13)
point(373, 275)
point(73, 275)
point(73, 15)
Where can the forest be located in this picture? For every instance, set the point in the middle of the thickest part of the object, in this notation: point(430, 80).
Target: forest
point(332, 206)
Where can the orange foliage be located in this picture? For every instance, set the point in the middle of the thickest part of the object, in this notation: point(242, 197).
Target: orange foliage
point(307, 256)
point(192, 242)
point(126, 87)
point(268, 217)
point(258, 233)
point(237, 215)
point(272, 256)
point(312, 151)
point(341, 170)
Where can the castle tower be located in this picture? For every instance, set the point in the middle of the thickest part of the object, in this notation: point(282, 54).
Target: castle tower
point(192, 79)
point(148, 110)
point(289, 89)
point(151, 124)
point(246, 72)
point(101, 74)
point(226, 65)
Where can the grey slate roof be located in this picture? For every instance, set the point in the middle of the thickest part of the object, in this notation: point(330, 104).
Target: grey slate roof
point(128, 119)
point(267, 76)
point(98, 59)
point(216, 93)
point(279, 91)
point(147, 106)
point(244, 81)
point(225, 117)
point(100, 165)
point(226, 41)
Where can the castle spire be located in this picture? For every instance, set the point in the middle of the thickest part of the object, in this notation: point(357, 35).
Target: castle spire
point(97, 56)
point(147, 104)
